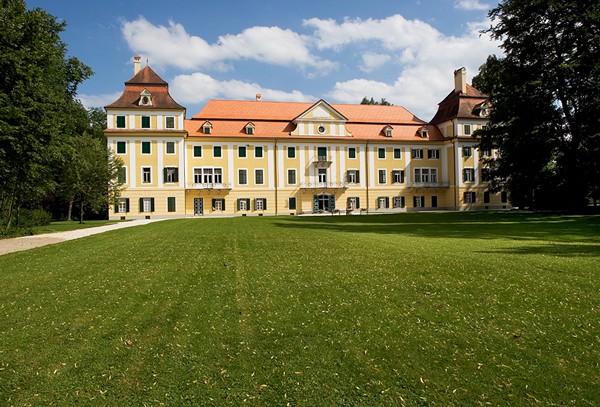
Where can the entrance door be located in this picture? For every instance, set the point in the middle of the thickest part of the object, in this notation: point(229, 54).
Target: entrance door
point(324, 202)
point(198, 206)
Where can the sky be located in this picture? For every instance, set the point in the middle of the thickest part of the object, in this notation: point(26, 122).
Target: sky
point(338, 50)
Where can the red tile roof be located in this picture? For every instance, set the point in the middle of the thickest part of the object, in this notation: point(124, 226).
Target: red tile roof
point(275, 119)
point(146, 78)
point(459, 105)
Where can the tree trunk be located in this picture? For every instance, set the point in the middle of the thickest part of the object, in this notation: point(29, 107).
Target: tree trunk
point(70, 210)
point(81, 211)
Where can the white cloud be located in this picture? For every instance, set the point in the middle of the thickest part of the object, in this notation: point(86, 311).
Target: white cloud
point(372, 61)
point(199, 87)
point(172, 46)
point(471, 5)
point(426, 58)
point(98, 100)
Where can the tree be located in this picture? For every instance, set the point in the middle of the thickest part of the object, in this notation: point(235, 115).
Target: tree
point(37, 87)
point(372, 101)
point(545, 94)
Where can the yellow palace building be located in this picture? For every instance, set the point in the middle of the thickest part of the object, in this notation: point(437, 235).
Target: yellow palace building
point(254, 158)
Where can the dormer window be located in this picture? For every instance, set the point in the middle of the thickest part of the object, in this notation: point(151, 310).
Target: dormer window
point(424, 133)
point(250, 129)
point(145, 98)
point(207, 128)
point(388, 131)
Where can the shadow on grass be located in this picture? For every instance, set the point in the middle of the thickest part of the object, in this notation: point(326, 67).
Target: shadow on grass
point(559, 235)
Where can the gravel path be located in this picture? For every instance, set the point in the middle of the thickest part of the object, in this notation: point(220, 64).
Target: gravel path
point(29, 242)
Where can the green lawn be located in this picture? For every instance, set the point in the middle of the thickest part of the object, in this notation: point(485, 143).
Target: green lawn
point(415, 309)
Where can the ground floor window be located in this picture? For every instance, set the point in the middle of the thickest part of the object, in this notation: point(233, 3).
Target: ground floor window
point(260, 204)
point(469, 197)
point(323, 202)
point(486, 197)
point(353, 203)
point(434, 201)
point(383, 202)
point(292, 202)
point(504, 197)
point(419, 201)
point(146, 204)
point(399, 202)
point(171, 207)
point(122, 205)
point(243, 204)
point(218, 204)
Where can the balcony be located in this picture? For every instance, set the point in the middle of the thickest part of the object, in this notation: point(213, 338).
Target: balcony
point(427, 184)
point(220, 186)
point(322, 160)
point(323, 185)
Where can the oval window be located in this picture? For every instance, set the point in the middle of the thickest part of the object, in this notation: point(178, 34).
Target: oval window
point(321, 129)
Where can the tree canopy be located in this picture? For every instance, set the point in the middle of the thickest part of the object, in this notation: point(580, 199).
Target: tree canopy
point(545, 93)
point(382, 102)
point(39, 113)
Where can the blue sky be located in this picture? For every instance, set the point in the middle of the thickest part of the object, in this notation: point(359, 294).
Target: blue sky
point(337, 50)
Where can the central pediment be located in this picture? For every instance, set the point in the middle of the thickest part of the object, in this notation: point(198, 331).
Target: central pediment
point(321, 119)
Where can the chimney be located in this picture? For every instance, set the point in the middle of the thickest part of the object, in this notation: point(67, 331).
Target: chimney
point(137, 64)
point(460, 80)
point(258, 97)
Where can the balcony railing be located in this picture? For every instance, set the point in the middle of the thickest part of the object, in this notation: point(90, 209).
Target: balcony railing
point(322, 159)
point(427, 184)
point(323, 185)
point(210, 185)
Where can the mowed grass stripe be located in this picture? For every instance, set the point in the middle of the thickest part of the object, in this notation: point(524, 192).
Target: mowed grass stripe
point(448, 308)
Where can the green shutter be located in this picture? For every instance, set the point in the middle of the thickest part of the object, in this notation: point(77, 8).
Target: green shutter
point(331, 202)
point(316, 203)
point(151, 204)
point(264, 204)
point(357, 176)
point(165, 170)
point(176, 175)
point(238, 203)
point(116, 205)
point(213, 203)
point(127, 205)
point(387, 201)
point(357, 203)
point(171, 204)
point(141, 204)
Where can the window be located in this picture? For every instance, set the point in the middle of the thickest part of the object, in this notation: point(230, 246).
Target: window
point(291, 203)
point(243, 204)
point(145, 122)
point(353, 177)
point(353, 203)
point(170, 122)
point(383, 202)
point(434, 201)
point(381, 152)
point(398, 176)
point(291, 152)
point(485, 175)
point(399, 202)
point(352, 152)
point(120, 122)
point(503, 197)
point(417, 153)
point(146, 147)
point(146, 175)
point(388, 132)
point(397, 153)
point(321, 129)
point(467, 151)
point(258, 152)
point(486, 197)
point(121, 147)
point(426, 175)
point(469, 175)
point(322, 175)
point(208, 175)
point(259, 177)
point(217, 152)
point(418, 201)
point(242, 151)
point(197, 151)
point(218, 175)
point(122, 205)
point(170, 174)
point(243, 177)
point(433, 153)
point(122, 175)
point(146, 204)
point(171, 207)
point(197, 175)
point(469, 197)
point(218, 204)
point(322, 153)
point(260, 204)
point(170, 147)
point(486, 153)
point(291, 177)
point(250, 129)
point(382, 176)
point(467, 128)
point(207, 128)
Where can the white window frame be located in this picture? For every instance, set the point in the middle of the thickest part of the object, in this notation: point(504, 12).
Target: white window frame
point(167, 143)
point(322, 175)
point(167, 120)
point(398, 174)
point(289, 172)
point(355, 153)
point(467, 151)
point(379, 150)
point(416, 153)
point(146, 204)
point(469, 174)
point(194, 151)
point(352, 178)
point(245, 170)
point(394, 153)
point(399, 202)
point(147, 171)
point(117, 147)
point(433, 153)
point(256, 176)
point(425, 175)
point(122, 206)
point(382, 174)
